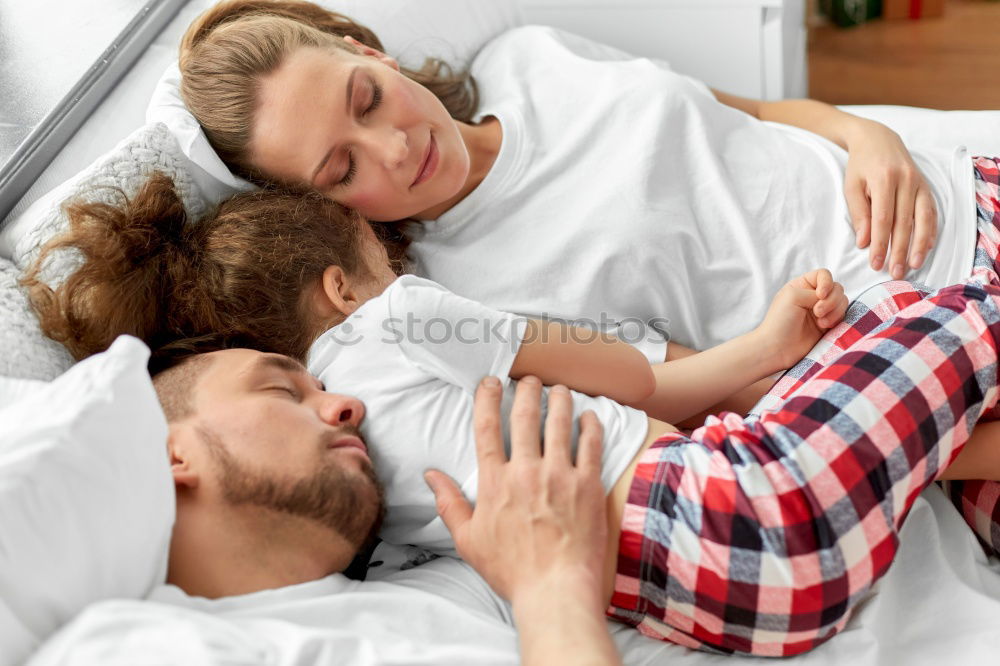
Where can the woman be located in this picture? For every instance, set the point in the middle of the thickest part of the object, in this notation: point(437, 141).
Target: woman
point(584, 185)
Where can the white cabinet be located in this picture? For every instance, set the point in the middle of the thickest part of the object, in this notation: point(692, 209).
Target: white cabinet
point(753, 48)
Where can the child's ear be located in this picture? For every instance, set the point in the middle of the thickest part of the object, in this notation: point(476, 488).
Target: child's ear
point(339, 293)
point(372, 53)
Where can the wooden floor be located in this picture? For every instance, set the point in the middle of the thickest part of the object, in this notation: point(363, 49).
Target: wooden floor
point(952, 62)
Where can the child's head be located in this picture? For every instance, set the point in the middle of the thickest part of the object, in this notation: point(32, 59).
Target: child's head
point(272, 268)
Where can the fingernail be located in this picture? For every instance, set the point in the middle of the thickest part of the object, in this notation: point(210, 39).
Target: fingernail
point(898, 271)
point(491, 382)
point(529, 379)
point(559, 388)
point(877, 263)
point(918, 260)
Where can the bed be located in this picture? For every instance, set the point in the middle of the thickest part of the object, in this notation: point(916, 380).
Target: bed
point(940, 602)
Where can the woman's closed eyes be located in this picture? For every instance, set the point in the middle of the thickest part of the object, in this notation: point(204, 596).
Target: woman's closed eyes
point(374, 99)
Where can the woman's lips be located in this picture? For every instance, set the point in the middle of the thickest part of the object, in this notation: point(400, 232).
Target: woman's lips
point(429, 164)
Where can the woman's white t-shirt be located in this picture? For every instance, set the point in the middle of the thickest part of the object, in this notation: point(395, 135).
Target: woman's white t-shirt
point(626, 194)
point(414, 356)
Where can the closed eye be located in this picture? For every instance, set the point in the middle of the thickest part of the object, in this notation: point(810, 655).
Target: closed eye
point(376, 95)
point(352, 169)
point(286, 389)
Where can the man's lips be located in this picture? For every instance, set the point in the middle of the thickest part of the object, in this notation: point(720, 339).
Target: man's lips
point(349, 441)
point(429, 164)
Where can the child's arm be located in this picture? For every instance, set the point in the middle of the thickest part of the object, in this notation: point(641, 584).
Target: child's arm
point(799, 314)
point(584, 360)
point(740, 402)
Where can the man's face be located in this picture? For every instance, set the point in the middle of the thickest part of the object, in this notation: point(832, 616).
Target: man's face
point(276, 440)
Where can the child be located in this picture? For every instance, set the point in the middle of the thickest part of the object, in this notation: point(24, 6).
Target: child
point(280, 270)
point(755, 537)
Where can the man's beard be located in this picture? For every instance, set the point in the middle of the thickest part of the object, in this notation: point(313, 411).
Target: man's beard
point(349, 504)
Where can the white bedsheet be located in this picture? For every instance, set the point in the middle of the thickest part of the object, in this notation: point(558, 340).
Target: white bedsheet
point(939, 604)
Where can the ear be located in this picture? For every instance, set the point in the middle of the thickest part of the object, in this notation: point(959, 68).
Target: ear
point(179, 448)
point(339, 292)
point(372, 53)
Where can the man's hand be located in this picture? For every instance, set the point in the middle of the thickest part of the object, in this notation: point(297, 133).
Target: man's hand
point(890, 203)
point(799, 314)
point(538, 532)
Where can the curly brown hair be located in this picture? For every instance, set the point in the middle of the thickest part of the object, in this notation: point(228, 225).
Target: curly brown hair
point(240, 275)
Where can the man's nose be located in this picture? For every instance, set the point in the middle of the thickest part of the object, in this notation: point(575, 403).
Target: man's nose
point(338, 410)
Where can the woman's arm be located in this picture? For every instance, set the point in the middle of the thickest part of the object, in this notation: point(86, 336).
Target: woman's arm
point(887, 196)
point(584, 360)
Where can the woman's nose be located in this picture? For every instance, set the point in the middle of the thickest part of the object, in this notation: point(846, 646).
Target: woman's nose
point(390, 147)
point(340, 410)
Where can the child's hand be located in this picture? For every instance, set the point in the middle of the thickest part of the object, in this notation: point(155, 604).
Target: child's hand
point(799, 314)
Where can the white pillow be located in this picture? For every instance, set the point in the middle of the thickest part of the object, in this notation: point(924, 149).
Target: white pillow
point(27, 352)
point(86, 495)
point(452, 30)
point(150, 148)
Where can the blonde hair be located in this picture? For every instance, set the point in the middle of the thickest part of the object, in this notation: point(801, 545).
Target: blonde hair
point(227, 50)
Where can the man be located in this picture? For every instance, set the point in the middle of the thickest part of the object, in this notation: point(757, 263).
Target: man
point(276, 496)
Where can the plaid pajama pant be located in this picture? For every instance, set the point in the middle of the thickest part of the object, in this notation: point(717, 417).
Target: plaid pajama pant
point(977, 501)
point(760, 535)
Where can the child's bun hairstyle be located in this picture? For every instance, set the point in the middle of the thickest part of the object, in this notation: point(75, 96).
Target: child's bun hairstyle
point(242, 273)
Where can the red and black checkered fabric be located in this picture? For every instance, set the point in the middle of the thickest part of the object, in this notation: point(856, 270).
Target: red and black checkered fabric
point(760, 535)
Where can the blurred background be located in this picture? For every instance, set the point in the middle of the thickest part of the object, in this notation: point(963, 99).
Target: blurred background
point(936, 53)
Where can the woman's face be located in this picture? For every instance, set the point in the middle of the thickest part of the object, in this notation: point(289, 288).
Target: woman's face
point(357, 130)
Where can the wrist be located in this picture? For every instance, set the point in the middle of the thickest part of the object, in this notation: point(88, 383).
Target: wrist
point(767, 353)
point(569, 587)
point(857, 130)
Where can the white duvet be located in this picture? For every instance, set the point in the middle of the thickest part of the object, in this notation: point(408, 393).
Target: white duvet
point(938, 605)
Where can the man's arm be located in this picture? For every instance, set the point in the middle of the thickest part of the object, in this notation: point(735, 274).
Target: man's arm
point(538, 531)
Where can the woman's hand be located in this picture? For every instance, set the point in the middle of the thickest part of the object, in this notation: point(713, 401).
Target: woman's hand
point(889, 201)
point(799, 314)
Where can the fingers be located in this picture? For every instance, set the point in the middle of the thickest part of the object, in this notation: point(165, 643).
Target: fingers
point(830, 310)
point(902, 227)
point(859, 208)
point(525, 419)
point(883, 202)
point(590, 441)
point(925, 227)
point(823, 281)
point(452, 506)
point(559, 427)
point(486, 424)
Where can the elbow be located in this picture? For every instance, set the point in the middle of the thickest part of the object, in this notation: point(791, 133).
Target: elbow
point(641, 385)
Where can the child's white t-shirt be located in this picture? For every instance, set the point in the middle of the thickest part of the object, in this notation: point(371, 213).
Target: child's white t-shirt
point(414, 356)
point(625, 193)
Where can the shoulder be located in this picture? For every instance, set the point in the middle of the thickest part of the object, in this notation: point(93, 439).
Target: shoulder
point(410, 293)
point(536, 41)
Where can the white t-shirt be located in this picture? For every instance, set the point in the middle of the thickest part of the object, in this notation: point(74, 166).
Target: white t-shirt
point(626, 192)
point(414, 356)
point(410, 611)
